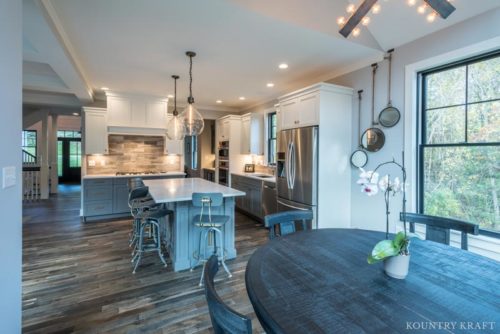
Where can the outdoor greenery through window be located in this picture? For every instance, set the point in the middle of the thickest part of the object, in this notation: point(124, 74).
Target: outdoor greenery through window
point(271, 138)
point(28, 143)
point(459, 154)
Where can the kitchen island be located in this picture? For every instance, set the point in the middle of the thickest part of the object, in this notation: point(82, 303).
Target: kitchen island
point(184, 236)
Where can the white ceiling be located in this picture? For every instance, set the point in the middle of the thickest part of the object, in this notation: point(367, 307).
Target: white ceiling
point(135, 46)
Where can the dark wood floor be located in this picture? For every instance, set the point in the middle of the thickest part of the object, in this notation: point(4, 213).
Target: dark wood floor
point(78, 277)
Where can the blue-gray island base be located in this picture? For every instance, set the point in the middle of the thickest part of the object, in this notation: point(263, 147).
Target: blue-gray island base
point(183, 240)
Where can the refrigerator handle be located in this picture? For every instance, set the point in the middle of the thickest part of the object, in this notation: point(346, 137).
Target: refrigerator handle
point(292, 206)
point(288, 166)
point(292, 164)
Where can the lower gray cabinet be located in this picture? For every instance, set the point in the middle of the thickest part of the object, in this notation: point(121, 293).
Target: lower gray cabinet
point(120, 198)
point(108, 197)
point(252, 201)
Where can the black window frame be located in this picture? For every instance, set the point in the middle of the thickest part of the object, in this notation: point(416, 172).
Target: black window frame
point(422, 130)
point(24, 139)
point(271, 161)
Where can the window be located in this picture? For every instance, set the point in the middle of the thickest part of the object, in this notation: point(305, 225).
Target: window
point(459, 151)
point(68, 134)
point(28, 145)
point(271, 138)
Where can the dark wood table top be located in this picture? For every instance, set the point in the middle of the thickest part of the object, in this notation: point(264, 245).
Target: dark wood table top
point(319, 282)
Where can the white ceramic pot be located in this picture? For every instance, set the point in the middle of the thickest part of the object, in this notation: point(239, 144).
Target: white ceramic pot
point(397, 266)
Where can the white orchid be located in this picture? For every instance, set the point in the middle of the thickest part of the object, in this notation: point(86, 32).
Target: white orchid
point(370, 189)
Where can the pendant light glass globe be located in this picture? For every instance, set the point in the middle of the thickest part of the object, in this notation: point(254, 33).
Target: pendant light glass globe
point(192, 120)
point(175, 124)
point(175, 128)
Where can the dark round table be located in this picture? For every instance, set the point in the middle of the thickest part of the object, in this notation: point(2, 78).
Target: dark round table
point(319, 282)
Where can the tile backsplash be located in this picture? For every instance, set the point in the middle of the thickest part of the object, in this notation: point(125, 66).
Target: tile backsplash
point(130, 153)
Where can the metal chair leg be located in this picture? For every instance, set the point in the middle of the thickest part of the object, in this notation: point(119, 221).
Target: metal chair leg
point(222, 255)
point(158, 242)
point(140, 250)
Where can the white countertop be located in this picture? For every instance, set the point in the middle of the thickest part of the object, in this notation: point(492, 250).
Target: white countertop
point(107, 176)
point(252, 176)
point(179, 190)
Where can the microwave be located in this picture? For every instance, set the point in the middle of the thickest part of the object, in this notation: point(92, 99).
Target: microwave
point(224, 153)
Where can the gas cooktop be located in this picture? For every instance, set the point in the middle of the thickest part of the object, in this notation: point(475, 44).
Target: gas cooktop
point(149, 172)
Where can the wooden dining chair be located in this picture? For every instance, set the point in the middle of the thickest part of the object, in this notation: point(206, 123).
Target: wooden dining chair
point(286, 222)
point(224, 319)
point(438, 228)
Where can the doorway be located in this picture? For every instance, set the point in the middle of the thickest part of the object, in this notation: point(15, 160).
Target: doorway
point(69, 156)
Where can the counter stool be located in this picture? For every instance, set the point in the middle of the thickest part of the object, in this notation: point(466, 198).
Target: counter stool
point(150, 220)
point(209, 223)
point(138, 199)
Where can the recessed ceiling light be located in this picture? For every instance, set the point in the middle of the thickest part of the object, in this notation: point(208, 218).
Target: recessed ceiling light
point(76, 114)
point(283, 66)
point(270, 84)
point(218, 101)
point(104, 88)
point(242, 98)
point(170, 96)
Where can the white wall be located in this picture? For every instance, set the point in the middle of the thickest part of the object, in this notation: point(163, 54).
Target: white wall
point(10, 148)
point(469, 38)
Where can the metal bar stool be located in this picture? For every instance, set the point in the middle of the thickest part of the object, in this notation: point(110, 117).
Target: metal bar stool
point(138, 198)
point(209, 224)
point(147, 215)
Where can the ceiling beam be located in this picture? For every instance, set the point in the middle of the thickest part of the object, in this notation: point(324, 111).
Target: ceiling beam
point(442, 7)
point(356, 18)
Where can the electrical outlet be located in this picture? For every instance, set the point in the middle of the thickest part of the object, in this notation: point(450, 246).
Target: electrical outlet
point(9, 177)
point(103, 163)
point(91, 163)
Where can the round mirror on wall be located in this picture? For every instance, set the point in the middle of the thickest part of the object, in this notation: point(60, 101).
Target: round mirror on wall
point(373, 139)
point(359, 158)
point(389, 117)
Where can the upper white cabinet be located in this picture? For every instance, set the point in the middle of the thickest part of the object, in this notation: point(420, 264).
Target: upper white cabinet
point(252, 134)
point(133, 111)
point(95, 131)
point(299, 111)
point(223, 129)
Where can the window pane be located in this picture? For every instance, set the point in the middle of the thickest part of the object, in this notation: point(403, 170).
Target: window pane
point(484, 80)
point(60, 134)
point(484, 122)
point(445, 88)
point(59, 158)
point(463, 182)
point(446, 125)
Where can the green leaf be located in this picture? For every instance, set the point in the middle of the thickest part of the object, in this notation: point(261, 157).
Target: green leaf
point(382, 250)
point(399, 240)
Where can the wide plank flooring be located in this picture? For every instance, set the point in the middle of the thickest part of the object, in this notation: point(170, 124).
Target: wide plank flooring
point(77, 277)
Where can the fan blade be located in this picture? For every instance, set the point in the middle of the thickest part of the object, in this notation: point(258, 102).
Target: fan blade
point(442, 7)
point(355, 18)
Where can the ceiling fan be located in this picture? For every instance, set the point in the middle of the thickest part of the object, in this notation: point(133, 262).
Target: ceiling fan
point(441, 7)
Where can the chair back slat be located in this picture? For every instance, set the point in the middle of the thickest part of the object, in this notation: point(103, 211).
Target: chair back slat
point(224, 319)
point(438, 228)
point(287, 222)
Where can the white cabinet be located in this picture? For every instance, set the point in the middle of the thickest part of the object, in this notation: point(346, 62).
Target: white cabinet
point(252, 134)
point(119, 111)
point(277, 109)
point(223, 129)
point(300, 111)
point(96, 134)
point(133, 111)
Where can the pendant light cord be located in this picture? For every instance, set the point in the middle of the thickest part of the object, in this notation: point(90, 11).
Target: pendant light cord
point(190, 54)
point(175, 97)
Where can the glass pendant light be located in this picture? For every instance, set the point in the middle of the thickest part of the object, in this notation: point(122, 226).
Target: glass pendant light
point(175, 126)
point(193, 121)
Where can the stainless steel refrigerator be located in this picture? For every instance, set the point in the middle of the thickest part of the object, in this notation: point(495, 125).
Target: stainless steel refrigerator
point(297, 170)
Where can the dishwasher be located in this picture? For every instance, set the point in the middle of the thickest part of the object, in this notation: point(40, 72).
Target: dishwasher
point(269, 204)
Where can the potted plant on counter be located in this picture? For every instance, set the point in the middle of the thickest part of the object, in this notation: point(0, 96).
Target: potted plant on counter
point(395, 252)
